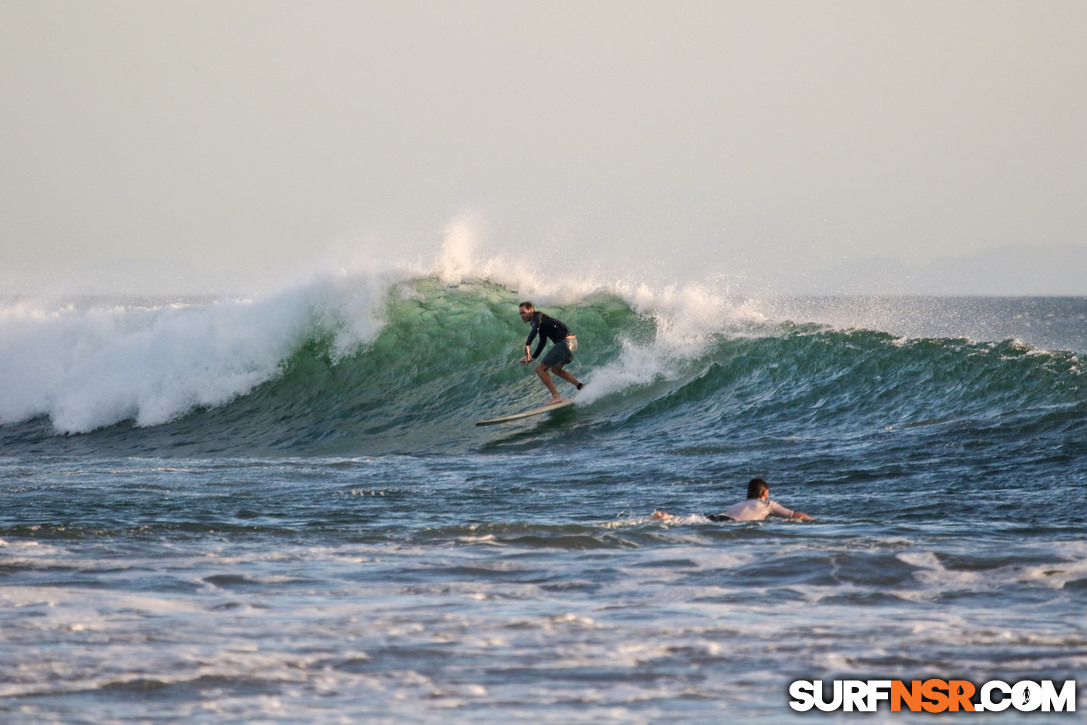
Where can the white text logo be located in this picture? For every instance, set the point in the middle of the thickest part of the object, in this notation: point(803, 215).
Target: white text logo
point(933, 696)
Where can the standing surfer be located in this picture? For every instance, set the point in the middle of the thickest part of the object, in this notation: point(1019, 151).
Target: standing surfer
point(561, 353)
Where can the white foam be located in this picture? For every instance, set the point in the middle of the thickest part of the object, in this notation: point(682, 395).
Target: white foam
point(90, 366)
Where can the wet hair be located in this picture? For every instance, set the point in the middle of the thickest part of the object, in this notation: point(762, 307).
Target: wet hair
point(526, 305)
point(756, 486)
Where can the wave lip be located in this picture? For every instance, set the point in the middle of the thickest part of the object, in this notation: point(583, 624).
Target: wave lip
point(152, 362)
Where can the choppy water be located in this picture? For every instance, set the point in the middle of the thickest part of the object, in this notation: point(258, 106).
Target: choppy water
point(279, 509)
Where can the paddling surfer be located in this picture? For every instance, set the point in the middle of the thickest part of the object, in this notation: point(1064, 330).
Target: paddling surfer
point(756, 507)
point(564, 345)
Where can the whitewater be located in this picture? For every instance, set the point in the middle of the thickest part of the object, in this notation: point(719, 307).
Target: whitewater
point(276, 507)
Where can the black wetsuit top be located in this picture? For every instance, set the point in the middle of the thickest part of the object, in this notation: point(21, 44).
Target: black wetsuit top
point(549, 329)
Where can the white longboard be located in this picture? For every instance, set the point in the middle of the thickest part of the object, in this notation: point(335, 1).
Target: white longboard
point(527, 413)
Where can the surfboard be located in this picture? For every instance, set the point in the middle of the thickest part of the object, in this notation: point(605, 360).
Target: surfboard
point(527, 413)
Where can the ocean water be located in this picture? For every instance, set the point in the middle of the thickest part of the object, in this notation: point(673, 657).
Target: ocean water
point(278, 509)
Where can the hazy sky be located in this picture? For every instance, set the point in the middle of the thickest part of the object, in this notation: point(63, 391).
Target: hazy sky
point(780, 141)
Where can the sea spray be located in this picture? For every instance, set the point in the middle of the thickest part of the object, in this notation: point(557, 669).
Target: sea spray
point(94, 365)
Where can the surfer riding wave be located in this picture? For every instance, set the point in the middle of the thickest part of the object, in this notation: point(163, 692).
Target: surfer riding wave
point(558, 357)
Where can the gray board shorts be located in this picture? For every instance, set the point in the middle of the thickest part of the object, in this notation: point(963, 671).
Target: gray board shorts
point(561, 353)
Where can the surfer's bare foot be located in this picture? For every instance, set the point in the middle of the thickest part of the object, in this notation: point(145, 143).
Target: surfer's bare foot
point(555, 401)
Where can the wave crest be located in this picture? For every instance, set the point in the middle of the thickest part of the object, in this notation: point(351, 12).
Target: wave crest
point(386, 362)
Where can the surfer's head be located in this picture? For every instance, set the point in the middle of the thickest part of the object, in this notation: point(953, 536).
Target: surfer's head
point(526, 310)
point(757, 488)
